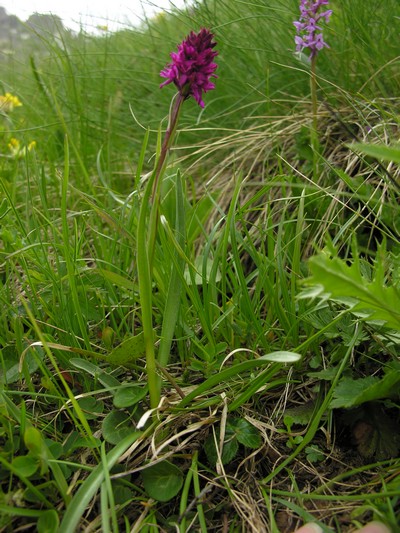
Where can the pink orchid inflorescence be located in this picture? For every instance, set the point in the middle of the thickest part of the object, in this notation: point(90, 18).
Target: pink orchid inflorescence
point(309, 33)
point(193, 66)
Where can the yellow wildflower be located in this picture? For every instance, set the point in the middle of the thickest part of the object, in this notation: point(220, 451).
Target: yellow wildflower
point(14, 146)
point(8, 101)
point(17, 150)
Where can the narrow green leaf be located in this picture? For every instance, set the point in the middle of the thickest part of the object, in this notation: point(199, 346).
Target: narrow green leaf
point(4, 208)
point(110, 382)
point(90, 486)
point(225, 375)
point(379, 151)
point(117, 279)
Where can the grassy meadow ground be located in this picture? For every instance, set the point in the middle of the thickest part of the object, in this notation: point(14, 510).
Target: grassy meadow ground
point(280, 400)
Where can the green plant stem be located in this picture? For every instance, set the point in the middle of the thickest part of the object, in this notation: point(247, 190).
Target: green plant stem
point(169, 137)
point(146, 237)
point(314, 123)
point(176, 106)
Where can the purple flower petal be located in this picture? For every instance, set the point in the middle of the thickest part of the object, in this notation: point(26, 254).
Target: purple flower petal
point(192, 66)
point(309, 33)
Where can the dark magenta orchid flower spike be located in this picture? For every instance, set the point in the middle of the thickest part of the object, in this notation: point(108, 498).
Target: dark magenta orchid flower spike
point(190, 70)
point(193, 66)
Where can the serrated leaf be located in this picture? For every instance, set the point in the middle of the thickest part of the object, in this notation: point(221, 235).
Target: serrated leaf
point(162, 481)
point(300, 414)
point(245, 433)
point(128, 396)
point(116, 426)
point(346, 284)
point(352, 392)
point(314, 454)
point(349, 391)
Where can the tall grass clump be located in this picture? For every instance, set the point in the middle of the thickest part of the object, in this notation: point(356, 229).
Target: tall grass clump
point(200, 307)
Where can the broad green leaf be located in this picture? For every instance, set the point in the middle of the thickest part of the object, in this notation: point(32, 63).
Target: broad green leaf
point(128, 396)
point(36, 445)
point(300, 414)
point(123, 355)
point(245, 432)
point(379, 151)
point(122, 494)
point(91, 406)
point(26, 465)
point(128, 351)
point(229, 450)
point(34, 441)
point(56, 449)
point(162, 481)
point(346, 284)
point(116, 426)
point(48, 522)
point(351, 392)
point(375, 432)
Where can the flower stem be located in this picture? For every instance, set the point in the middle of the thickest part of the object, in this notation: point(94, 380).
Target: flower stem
point(169, 136)
point(145, 250)
point(314, 111)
